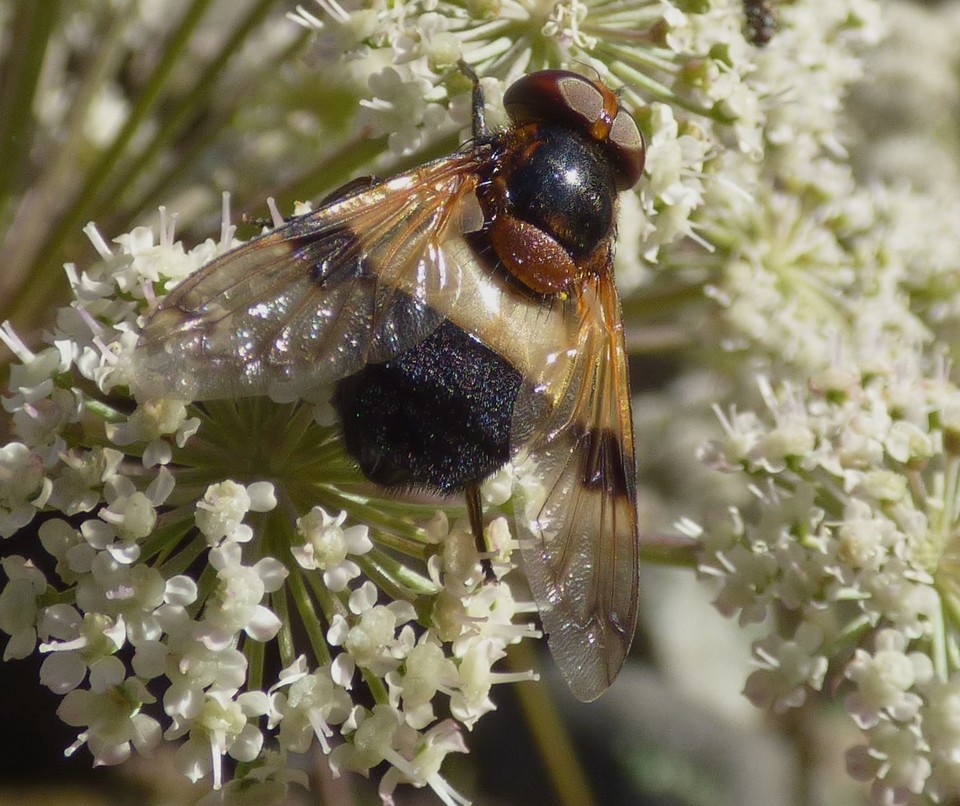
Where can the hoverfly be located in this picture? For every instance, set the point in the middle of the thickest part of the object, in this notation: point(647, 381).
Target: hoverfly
point(467, 313)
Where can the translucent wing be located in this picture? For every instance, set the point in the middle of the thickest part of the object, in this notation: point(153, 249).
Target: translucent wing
point(359, 280)
point(578, 523)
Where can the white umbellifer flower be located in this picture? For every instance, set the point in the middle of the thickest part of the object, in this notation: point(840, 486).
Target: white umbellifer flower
point(83, 641)
point(220, 725)
point(221, 512)
point(235, 603)
point(24, 488)
point(111, 712)
point(789, 666)
point(152, 421)
point(426, 670)
point(375, 637)
point(308, 703)
point(177, 575)
point(19, 606)
point(380, 735)
point(884, 681)
point(853, 539)
point(327, 545)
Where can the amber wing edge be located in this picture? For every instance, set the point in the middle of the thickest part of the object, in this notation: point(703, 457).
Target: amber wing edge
point(578, 532)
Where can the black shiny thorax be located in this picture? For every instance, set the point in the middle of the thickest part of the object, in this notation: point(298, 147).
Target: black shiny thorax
point(556, 179)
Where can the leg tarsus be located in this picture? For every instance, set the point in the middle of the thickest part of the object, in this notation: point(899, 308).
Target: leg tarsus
point(478, 102)
point(475, 515)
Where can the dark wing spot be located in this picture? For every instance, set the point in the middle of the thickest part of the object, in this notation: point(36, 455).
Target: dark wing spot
point(336, 257)
point(601, 466)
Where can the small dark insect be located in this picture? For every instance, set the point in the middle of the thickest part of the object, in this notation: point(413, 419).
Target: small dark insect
point(467, 313)
point(759, 22)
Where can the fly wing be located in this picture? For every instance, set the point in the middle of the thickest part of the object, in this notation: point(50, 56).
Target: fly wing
point(577, 520)
point(358, 281)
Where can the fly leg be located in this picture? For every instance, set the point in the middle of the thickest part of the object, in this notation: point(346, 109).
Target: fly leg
point(475, 514)
point(479, 121)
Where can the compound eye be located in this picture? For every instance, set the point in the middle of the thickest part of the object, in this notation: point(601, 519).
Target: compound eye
point(554, 96)
point(568, 99)
point(628, 149)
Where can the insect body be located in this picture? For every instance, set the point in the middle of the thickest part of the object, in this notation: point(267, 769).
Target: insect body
point(759, 22)
point(467, 313)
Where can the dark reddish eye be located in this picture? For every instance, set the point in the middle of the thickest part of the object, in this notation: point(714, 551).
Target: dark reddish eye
point(626, 143)
point(554, 96)
point(589, 107)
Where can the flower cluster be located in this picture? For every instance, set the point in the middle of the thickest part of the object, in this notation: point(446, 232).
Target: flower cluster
point(842, 556)
point(681, 67)
point(848, 558)
point(196, 584)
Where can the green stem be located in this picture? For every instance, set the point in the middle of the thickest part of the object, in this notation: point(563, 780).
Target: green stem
point(550, 735)
point(104, 411)
point(221, 423)
point(376, 686)
point(164, 540)
point(254, 652)
point(84, 205)
point(190, 152)
point(178, 118)
point(28, 39)
point(394, 578)
point(206, 585)
point(333, 171)
point(673, 550)
point(614, 56)
point(308, 616)
point(55, 179)
point(293, 434)
point(398, 533)
point(950, 611)
point(285, 645)
point(183, 559)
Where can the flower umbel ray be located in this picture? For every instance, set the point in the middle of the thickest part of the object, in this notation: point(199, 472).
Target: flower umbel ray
point(222, 573)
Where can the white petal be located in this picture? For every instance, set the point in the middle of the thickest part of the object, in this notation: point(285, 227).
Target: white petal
point(150, 659)
point(363, 598)
point(107, 753)
point(160, 488)
point(357, 539)
point(246, 747)
point(106, 673)
point(254, 703)
point(146, 733)
point(193, 759)
point(263, 496)
point(180, 590)
point(264, 625)
point(225, 555)
point(341, 670)
point(62, 672)
point(272, 573)
point(304, 556)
